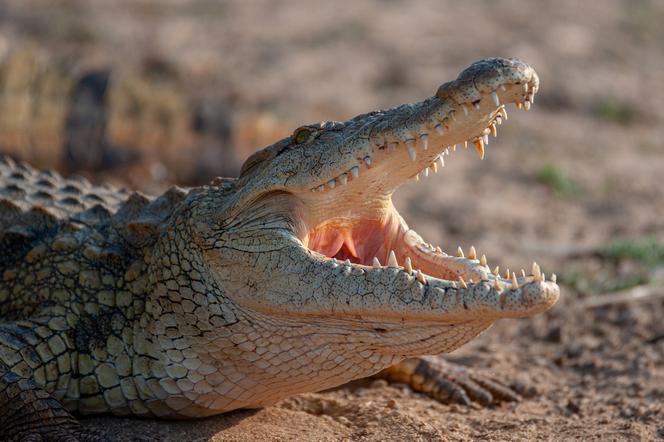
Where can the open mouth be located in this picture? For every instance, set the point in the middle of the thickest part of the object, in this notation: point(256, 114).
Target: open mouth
point(374, 234)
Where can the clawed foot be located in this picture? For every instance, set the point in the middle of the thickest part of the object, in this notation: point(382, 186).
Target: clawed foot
point(449, 383)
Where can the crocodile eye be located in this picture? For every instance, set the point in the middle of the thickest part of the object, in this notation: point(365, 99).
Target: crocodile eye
point(303, 134)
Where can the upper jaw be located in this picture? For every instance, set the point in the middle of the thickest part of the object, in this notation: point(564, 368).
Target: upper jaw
point(399, 143)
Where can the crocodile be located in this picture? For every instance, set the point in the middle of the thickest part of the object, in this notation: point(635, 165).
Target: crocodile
point(297, 276)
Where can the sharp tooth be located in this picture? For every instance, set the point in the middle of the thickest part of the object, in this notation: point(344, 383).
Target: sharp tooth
point(472, 253)
point(465, 144)
point(355, 171)
point(496, 101)
point(515, 284)
point(479, 147)
point(460, 252)
point(483, 260)
point(494, 131)
point(499, 120)
point(477, 105)
point(367, 161)
point(523, 273)
point(426, 172)
point(543, 277)
point(496, 270)
point(439, 250)
point(452, 114)
point(392, 260)
point(503, 113)
point(376, 263)
point(408, 265)
point(531, 97)
point(503, 88)
point(447, 151)
point(536, 272)
point(497, 285)
point(434, 167)
point(465, 109)
point(343, 179)
point(554, 278)
point(526, 105)
point(439, 129)
point(441, 161)
point(425, 141)
point(519, 105)
point(331, 184)
point(417, 177)
point(525, 88)
point(347, 262)
point(420, 277)
point(410, 145)
point(462, 283)
point(507, 273)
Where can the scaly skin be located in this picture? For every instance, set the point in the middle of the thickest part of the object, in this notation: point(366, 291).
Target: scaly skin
point(231, 295)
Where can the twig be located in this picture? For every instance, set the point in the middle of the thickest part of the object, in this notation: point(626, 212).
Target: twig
point(639, 293)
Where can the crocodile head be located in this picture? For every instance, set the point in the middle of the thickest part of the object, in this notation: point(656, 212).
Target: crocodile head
point(307, 247)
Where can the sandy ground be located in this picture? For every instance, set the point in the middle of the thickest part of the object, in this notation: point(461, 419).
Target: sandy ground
point(587, 372)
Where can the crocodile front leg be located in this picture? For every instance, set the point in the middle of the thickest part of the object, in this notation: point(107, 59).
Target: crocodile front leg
point(35, 368)
point(448, 382)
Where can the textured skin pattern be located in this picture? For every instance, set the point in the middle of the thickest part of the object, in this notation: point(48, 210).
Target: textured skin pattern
point(200, 302)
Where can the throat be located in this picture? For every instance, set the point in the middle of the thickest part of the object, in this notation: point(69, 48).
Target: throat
point(358, 240)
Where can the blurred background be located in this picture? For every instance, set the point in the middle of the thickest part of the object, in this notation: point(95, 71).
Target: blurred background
point(148, 93)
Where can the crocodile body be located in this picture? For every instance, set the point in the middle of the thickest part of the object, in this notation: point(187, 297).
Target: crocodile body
point(248, 290)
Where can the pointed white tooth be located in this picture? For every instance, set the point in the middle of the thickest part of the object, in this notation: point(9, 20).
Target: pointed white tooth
point(477, 105)
point(496, 271)
point(536, 272)
point(525, 88)
point(526, 105)
point(503, 113)
point(331, 184)
point(459, 252)
point(554, 278)
point(531, 98)
point(523, 273)
point(496, 101)
point(543, 277)
point(434, 167)
point(485, 138)
point(439, 129)
point(343, 179)
point(417, 177)
point(425, 141)
point(367, 160)
point(497, 285)
point(410, 145)
point(392, 260)
point(408, 265)
point(447, 151)
point(426, 172)
point(465, 144)
point(420, 277)
point(462, 283)
point(347, 262)
point(503, 88)
point(499, 120)
point(355, 171)
point(472, 253)
point(439, 250)
point(494, 131)
point(515, 284)
point(483, 261)
point(465, 110)
point(376, 263)
point(519, 105)
point(507, 273)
